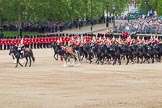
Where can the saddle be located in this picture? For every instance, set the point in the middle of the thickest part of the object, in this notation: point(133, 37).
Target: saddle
point(26, 49)
point(70, 50)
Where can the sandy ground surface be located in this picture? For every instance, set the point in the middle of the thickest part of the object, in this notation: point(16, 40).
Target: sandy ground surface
point(48, 85)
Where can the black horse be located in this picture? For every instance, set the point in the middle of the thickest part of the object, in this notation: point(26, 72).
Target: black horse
point(56, 49)
point(28, 54)
point(158, 53)
point(127, 52)
point(116, 53)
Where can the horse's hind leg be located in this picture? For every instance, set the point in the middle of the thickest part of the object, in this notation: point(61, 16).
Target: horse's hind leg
point(13, 57)
point(127, 59)
point(132, 60)
point(102, 60)
point(141, 60)
point(119, 60)
point(29, 61)
point(78, 64)
point(72, 64)
point(115, 59)
point(65, 63)
point(20, 64)
point(17, 61)
point(26, 62)
point(56, 56)
point(153, 59)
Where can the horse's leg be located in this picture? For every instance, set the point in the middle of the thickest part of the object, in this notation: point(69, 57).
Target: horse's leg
point(32, 57)
point(109, 59)
point(26, 61)
point(115, 59)
point(147, 59)
point(102, 60)
point(29, 61)
point(54, 56)
point(65, 63)
point(153, 58)
point(98, 58)
point(78, 63)
point(137, 59)
point(90, 59)
point(17, 61)
point(57, 56)
point(13, 57)
point(141, 59)
point(77, 57)
point(132, 59)
point(73, 60)
point(81, 56)
point(119, 60)
point(157, 58)
point(144, 60)
point(20, 64)
point(127, 59)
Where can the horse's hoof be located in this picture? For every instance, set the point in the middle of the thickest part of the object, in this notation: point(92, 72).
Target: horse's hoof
point(64, 66)
point(68, 64)
point(71, 65)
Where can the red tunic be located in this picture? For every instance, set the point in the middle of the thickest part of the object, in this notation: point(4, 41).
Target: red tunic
point(128, 43)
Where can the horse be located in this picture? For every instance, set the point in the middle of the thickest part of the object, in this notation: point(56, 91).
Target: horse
point(101, 53)
point(28, 54)
point(69, 53)
point(85, 52)
point(127, 52)
point(140, 54)
point(158, 52)
point(56, 49)
point(116, 53)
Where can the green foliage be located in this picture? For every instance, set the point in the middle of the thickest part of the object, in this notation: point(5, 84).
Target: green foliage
point(159, 7)
point(154, 5)
point(43, 11)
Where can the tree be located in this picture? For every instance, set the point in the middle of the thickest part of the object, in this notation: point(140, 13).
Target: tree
point(42, 11)
point(159, 8)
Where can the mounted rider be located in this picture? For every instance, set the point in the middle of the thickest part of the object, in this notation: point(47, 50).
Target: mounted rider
point(20, 48)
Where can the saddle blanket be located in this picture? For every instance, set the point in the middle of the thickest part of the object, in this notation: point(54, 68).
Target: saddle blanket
point(69, 50)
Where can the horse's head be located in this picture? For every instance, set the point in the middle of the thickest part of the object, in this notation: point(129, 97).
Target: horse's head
point(112, 48)
point(12, 50)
